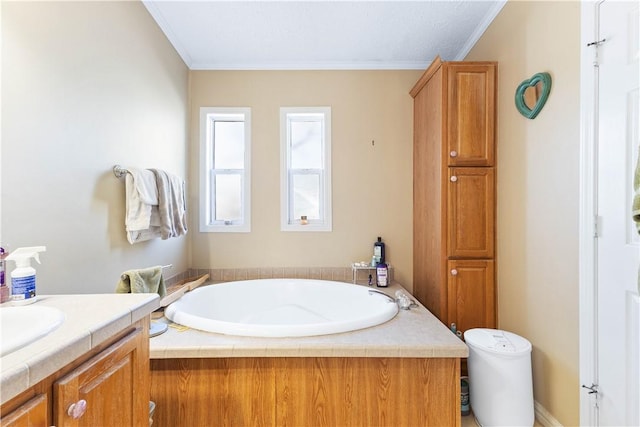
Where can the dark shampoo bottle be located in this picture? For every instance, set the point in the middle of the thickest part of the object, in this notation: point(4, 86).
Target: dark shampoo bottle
point(378, 251)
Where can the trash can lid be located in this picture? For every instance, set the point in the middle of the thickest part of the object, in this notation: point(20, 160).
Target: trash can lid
point(497, 341)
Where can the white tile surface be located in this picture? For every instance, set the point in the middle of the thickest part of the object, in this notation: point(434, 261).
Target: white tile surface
point(412, 333)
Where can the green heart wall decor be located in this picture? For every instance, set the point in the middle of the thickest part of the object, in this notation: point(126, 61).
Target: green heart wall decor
point(538, 88)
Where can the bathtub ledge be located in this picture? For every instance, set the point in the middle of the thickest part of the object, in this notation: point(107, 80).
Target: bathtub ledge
point(411, 334)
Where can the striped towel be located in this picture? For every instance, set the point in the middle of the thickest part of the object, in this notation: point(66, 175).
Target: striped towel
point(171, 204)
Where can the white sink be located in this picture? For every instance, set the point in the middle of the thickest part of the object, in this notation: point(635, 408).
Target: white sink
point(20, 326)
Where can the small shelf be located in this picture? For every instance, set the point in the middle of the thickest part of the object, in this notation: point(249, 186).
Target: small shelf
point(360, 273)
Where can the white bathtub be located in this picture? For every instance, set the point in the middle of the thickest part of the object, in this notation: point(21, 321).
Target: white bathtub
point(281, 308)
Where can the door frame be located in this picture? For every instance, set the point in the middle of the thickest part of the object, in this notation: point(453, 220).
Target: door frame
point(587, 215)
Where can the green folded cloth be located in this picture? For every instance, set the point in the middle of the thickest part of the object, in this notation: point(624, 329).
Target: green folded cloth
point(145, 280)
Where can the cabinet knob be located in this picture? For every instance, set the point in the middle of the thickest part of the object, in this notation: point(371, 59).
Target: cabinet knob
point(454, 153)
point(454, 272)
point(454, 178)
point(77, 410)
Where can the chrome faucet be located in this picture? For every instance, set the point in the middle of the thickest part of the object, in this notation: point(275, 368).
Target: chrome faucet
point(372, 291)
point(403, 301)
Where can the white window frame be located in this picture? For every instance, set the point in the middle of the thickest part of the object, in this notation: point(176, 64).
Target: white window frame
point(208, 115)
point(286, 203)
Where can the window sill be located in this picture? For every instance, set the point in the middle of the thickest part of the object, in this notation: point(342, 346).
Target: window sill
point(306, 227)
point(225, 229)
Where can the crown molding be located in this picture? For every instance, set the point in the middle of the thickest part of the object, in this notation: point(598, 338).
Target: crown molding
point(480, 29)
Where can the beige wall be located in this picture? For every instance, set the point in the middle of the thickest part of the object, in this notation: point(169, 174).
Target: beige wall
point(538, 193)
point(86, 85)
point(372, 185)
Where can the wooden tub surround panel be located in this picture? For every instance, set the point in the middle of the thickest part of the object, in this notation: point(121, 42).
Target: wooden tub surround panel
point(306, 391)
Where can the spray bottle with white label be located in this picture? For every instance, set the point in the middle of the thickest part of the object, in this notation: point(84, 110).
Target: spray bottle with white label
point(23, 278)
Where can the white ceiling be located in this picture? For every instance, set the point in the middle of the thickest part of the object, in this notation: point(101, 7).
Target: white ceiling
point(321, 34)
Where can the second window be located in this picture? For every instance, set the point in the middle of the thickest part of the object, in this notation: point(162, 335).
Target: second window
point(305, 176)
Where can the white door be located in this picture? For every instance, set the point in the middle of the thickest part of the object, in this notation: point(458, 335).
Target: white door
point(617, 241)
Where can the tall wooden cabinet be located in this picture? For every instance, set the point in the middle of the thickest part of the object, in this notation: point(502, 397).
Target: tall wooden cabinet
point(454, 192)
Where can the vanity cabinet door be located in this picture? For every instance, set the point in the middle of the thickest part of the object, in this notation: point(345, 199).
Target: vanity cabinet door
point(471, 107)
point(471, 210)
point(471, 294)
point(31, 413)
point(110, 389)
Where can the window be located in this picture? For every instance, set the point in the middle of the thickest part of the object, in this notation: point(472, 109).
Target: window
point(225, 164)
point(305, 169)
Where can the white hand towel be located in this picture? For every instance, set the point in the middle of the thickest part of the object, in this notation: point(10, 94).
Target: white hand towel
point(142, 219)
point(145, 181)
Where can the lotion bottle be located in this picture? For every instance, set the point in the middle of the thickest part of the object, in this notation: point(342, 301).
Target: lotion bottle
point(23, 277)
point(382, 275)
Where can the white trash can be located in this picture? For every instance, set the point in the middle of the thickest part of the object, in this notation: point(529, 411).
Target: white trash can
point(500, 383)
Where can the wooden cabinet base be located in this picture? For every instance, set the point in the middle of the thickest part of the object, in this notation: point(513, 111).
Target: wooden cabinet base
point(111, 384)
point(34, 412)
point(306, 392)
point(112, 380)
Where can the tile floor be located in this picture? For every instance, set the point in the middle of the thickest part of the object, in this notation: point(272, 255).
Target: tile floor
point(469, 421)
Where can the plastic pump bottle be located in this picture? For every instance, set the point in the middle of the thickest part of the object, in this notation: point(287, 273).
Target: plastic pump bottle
point(382, 275)
point(23, 278)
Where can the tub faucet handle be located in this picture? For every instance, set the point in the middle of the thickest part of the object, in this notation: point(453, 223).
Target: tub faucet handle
point(404, 302)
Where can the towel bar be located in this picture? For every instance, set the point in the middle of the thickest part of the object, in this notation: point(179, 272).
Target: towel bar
point(119, 171)
point(164, 267)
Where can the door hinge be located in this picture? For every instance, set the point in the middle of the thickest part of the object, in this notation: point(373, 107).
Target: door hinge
point(596, 43)
point(593, 389)
point(597, 226)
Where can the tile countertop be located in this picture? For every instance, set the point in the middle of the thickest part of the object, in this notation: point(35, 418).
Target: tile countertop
point(89, 321)
point(411, 333)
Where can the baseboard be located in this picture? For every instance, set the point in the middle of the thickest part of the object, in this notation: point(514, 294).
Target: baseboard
point(544, 417)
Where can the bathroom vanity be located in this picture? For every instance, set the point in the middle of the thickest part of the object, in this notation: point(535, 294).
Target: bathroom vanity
point(405, 372)
point(92, 370)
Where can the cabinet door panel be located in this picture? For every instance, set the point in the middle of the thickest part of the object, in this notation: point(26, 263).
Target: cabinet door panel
point(429, 198)
point(31, 413)
point(471, 294)
point(471, 213)
point(112, 384)
point(471, 114)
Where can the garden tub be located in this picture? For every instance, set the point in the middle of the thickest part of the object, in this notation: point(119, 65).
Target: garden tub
point(282, 308)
